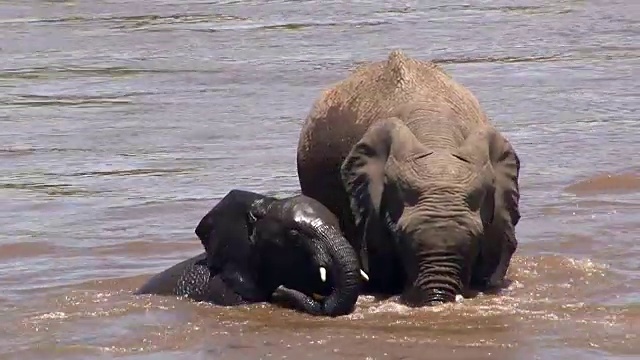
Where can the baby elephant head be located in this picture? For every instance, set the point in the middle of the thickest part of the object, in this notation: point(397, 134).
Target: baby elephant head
point(293, 242)
point(302, 247)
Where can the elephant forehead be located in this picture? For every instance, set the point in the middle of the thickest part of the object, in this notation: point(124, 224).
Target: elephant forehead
point(304, 213)
point(443, 169)
point(310, 211)
point(450, 223)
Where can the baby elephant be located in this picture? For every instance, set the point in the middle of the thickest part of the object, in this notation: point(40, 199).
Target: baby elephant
point(263, 249)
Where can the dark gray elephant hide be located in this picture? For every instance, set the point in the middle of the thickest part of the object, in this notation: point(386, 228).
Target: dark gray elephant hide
point(260, 249)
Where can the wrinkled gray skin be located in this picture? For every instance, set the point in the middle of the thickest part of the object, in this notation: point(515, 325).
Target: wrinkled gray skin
point(426, 189)
point(260, 249)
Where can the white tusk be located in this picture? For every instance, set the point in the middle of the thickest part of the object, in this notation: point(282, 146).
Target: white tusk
point(364, 275)
point(323, 274)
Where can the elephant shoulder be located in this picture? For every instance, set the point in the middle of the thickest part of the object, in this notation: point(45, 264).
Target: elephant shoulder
point(169, 281)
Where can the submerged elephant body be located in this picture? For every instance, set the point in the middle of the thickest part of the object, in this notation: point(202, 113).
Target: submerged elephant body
point(260, 249)
point(193, 279)
point(426, 189)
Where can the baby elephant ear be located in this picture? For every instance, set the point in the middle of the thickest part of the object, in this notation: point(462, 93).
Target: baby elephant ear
point(258, 210)
point(226, 225)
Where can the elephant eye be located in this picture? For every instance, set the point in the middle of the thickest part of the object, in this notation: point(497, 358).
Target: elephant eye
point(475, 198)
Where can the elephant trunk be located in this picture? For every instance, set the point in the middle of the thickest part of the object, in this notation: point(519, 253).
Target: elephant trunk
point(438, 280)
point(331, 252)
point(345, 271)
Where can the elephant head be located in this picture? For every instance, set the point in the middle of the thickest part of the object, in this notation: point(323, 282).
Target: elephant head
point(292, 243)
point(435, 201)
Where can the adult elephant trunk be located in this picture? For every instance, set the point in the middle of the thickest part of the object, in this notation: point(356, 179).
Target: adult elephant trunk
point(444, 254)
point(438, 280)
point(319, 232)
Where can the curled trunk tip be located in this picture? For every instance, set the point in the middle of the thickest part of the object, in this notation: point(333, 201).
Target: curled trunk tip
point(438, 297)
point(345, 271)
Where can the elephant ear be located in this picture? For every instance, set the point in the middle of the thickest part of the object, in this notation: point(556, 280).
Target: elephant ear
point(374, 161)
point(225, 231)
point(476, 151)
point(495, 156)
point(372, 164)
point(489, 146)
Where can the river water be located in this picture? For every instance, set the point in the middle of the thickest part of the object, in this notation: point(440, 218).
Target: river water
point(123, 122)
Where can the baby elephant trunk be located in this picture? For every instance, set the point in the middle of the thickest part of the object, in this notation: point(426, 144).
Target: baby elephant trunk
point(344, 270)
point(337, 262)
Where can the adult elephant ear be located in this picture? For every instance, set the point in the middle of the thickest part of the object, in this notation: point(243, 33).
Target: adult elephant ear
point(494, 156)
point(226, 229)
point(375, 162)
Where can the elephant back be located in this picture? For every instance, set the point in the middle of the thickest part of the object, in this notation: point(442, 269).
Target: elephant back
point(343, 113)
point(375, 91)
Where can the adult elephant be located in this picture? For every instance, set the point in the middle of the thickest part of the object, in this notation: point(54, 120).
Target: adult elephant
point(426, 189)
point(260, 249)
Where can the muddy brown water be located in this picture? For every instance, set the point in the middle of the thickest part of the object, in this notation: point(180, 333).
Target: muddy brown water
point(123, 122)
